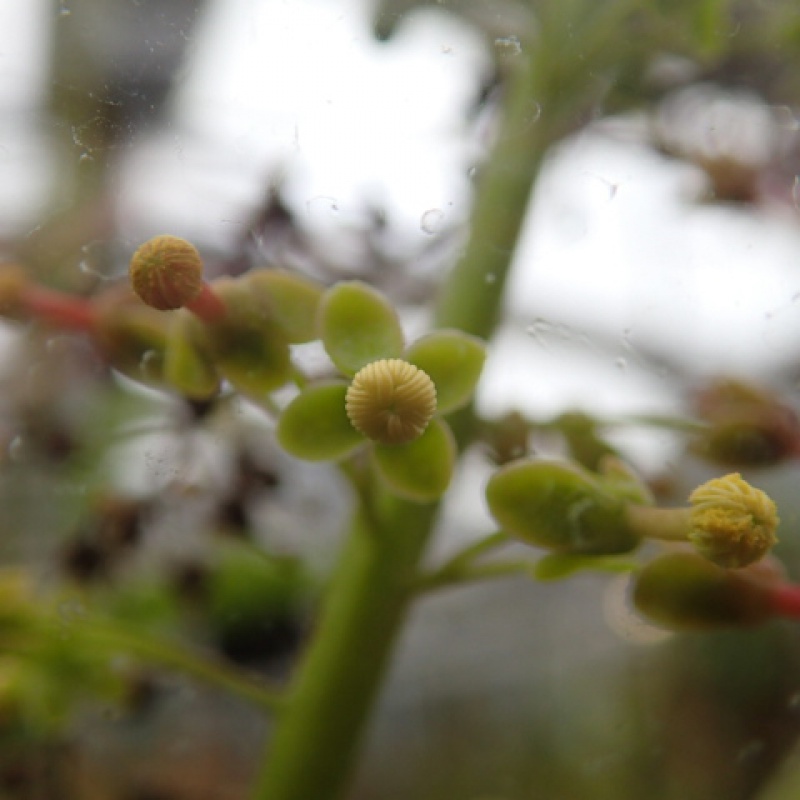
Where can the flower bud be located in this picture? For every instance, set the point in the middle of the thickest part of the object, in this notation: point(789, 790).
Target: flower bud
point(391, 401)
point(732, 523)
point(686, 592)
point(561, 507)
point(167, 272)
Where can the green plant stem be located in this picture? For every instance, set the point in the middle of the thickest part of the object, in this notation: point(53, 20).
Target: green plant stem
point(667, 524)
point(437, 579)
point(158, 651)
point(315, 743)
point(313, 748)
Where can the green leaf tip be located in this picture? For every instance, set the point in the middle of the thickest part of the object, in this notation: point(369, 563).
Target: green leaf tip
point(454, 361)
point(421, 470)
point(315, 426)
point(358, 326)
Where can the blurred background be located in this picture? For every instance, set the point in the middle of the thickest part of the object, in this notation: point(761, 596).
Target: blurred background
point(346, 139)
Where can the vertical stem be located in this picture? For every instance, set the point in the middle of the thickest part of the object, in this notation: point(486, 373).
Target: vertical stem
point(471, 299)
point(314, 746)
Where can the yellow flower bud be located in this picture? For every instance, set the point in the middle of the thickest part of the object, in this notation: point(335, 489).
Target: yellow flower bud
point(391, 401)
point(167, 272)
point(732, 523)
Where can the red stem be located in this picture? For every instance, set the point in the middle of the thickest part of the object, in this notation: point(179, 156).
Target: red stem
point(63, 310)
point(207, 305)
point(786, 600)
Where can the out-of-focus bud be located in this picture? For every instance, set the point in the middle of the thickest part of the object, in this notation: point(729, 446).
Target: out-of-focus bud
point(732, 523)
point(748, 426)
point(684, 591)
point(583, 439)
point(166, 272)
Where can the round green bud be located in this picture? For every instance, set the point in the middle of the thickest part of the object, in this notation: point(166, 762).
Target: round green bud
point(166, 272)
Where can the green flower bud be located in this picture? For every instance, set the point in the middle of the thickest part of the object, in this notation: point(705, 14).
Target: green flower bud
point(560, 507)
point(687, 592)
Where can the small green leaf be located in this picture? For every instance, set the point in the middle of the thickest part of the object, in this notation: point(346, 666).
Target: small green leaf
point(187, 364)
point(556, 566)
point(248, 347)
point(420, 470)
point(294, 301)
point(560, 507)
point(315, 426)
point(358, 326)
point(453, 360)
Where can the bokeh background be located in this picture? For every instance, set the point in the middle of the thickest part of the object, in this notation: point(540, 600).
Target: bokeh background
point(345, 139)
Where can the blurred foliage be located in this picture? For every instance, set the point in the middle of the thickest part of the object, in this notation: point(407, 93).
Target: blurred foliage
point(184, 554)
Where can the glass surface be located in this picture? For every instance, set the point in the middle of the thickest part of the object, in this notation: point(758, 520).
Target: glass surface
point(654, 277)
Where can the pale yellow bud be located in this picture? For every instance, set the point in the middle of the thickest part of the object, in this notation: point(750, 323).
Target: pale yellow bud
point(732, 523)
point(391, 401)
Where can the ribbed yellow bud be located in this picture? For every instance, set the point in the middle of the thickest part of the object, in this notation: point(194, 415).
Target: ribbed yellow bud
point(732, 523)
point(391, 401)
point(167, 272)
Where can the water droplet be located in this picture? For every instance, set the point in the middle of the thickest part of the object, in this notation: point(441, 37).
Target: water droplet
point(751, 750)
point(17, 449)
point(150, 364)
point(510, 45)
point(540, 329)
point(85, 158)
point(94, 260)
point(431, 221)
point(785, 118)
point(536, 112)
point(71, 610)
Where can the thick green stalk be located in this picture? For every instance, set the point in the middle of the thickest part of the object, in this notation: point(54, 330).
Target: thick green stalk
point(314, 745)
point(471, 298)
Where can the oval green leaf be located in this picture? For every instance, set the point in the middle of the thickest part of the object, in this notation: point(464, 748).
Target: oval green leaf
point(420, 470)
point(294, 301)
point(315, 426)
point(358, 326)
point(187, 364)
point(453, 360)
point(559, 507)
point(248, 347)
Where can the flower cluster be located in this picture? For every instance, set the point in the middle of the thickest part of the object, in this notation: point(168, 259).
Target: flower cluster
point(391, 398)
point(585, 516)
